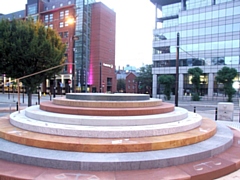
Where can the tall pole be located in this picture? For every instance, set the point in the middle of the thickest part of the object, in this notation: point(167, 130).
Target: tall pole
point(87, 49)
point(100, 80)
point(73, 50)
point(177, 72)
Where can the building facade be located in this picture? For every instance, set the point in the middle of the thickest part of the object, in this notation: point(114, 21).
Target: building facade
point(88, 30)
point(209, 38)
point(131, 83)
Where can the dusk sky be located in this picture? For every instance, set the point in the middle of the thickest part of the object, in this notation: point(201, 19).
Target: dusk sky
point(134, 25)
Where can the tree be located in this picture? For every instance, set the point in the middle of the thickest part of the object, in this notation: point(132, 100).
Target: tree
point(226, 76)
point(121, 85)
point(167, 80)
point(196, 73)
point(27, 47)
point(144, 79)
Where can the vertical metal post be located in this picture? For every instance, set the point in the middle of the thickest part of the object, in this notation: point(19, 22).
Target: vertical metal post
point(8, 92)
point(18, 95)
point(23, 94)
point(216, 112)
point(54, 88)
point(177, 72)
point(194, 109)
point(87, 50)
point(100, 80)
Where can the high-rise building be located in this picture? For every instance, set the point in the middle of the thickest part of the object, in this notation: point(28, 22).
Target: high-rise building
point(209, 32)
point(88, 29)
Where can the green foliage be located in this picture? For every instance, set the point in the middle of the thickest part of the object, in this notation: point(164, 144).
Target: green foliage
point(196, 73)
point(195, 97)
point(226, 76)
point(167, 80)
point(144, 79)
point(121, 85)
point(27, 47)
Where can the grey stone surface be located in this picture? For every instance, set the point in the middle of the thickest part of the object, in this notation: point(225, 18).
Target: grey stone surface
point(35, 113)
point(117, 161)
point(108, 97)
point(192, 121)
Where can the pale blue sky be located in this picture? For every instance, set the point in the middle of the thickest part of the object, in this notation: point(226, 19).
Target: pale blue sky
point(134, 25)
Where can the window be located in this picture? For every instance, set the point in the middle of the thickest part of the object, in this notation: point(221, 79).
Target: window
point(51, 26)
point(61, 24)
point(32, 9)
point(65, 34)
point(61, 34)
point(50, 17)
point(66, 23)
point(61, 14)
point(61, 4)
point(69, 2)
point(20, 16)
point(46, 18)
point(66, 13)
point(53, 6)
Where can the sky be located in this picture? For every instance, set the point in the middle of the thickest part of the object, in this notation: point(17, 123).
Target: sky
point(134, 25)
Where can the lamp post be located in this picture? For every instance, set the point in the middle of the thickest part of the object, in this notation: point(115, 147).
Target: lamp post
point(100, 80)
point(177, 72)
point(72, 21)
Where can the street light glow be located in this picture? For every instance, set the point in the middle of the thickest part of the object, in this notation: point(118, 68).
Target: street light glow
point(70, 20)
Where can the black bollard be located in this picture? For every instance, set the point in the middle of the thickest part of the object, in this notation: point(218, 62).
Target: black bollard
point(16, 106)
point(216, 111)
point(194, 109)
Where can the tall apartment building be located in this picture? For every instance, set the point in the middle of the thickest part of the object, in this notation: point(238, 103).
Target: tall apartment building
point(209, 33)
point(88, 29)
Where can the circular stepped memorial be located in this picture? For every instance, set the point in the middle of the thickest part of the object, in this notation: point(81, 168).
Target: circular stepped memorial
point(110, 132)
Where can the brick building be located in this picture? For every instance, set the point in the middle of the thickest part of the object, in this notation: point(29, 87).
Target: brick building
point(90, 40)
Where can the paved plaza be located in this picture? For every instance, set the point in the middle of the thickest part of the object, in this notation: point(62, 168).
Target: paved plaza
point(8, 104)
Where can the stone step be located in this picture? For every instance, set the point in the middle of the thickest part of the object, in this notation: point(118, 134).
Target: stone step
point(34, 112)
point(13, 134)
point(108, 97)
point(106, 104)
point(224, 166)
point(22, 154)
point(21, 121)
point(51, 107)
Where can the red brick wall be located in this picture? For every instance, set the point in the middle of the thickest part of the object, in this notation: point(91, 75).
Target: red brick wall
point(131, 83)
point(102, 47)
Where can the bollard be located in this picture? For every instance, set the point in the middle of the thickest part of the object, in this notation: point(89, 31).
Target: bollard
point(16, 106)
point(194, 109)
point(10, 108)
point(216, 112)
point(36, 103)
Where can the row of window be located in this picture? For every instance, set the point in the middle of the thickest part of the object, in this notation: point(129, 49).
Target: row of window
point(61, 25)
point(199, 31)
point(64, 34)
point(199, 62)
point(62, 15)
point(210, 15)
point(173, 9)
point(219, 45)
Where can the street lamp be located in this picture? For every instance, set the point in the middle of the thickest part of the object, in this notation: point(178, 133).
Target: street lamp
point(72, 20)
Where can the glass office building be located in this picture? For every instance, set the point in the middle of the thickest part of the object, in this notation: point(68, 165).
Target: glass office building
point(209, 39)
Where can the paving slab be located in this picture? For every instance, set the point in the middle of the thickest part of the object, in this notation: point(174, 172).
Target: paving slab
point(217, 144)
